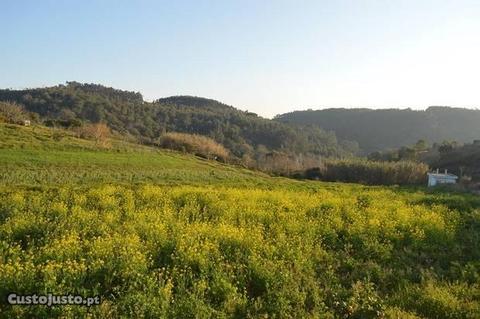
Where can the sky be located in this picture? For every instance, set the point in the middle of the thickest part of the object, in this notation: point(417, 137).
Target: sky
point(268, 57)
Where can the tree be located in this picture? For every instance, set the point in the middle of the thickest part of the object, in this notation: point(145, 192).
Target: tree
point(421, 145)
point(447, 146)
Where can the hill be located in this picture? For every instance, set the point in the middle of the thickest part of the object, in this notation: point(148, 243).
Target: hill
point(377, 130)
point(245, 134)
point(163, 235)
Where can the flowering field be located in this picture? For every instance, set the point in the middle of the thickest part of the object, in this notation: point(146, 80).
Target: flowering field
point(158, 251)
point(222, 242)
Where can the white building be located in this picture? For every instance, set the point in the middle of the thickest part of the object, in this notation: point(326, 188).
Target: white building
point(439, 178)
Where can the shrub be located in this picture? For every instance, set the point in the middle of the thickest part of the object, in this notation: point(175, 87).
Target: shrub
point(99, 132)
point(195, 144)
point(13, 113)
point(69, 123)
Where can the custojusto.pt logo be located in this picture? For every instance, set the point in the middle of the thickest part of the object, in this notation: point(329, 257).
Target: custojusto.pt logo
point(52, 300)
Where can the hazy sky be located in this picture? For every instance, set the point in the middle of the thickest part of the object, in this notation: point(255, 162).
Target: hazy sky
point(268, 57)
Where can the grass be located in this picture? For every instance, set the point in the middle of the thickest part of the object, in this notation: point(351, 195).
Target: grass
point(159, 234)
point(37, 156)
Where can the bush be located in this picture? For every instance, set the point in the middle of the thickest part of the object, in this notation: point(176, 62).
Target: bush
point(13, 113)
point(99, 132)
point(69, 123)
point(196, 144)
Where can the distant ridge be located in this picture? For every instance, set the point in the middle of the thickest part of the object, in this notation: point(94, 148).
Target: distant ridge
point(381, 129)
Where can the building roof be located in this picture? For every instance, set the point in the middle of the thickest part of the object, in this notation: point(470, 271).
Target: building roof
point(441, 175)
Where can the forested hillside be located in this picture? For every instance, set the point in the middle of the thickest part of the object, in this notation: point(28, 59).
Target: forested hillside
point(244, 134)
point(392, 128)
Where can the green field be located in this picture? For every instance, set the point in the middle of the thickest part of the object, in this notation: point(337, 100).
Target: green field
point(42, 156)
point(158, 234)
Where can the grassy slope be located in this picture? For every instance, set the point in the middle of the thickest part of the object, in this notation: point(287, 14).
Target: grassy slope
point(225, 242)
point(42, 156)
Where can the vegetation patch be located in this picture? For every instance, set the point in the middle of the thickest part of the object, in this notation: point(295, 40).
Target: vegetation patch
point(195, 144)
point(156, 251)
